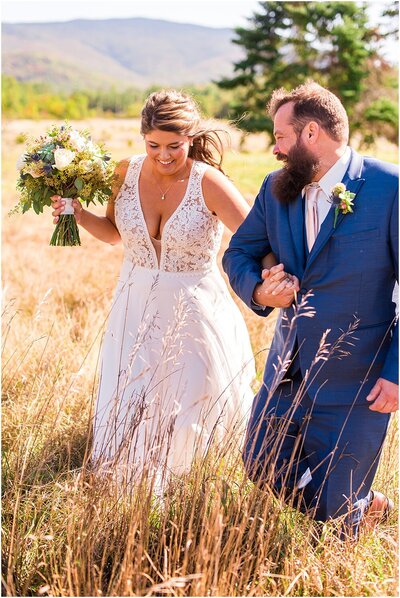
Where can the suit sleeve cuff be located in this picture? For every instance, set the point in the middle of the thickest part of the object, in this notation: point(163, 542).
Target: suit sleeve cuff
point(257, 306)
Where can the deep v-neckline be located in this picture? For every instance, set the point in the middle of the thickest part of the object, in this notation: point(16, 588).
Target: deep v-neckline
point(149, 238)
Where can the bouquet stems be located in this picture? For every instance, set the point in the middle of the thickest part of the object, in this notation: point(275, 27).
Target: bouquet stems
point(66, 232)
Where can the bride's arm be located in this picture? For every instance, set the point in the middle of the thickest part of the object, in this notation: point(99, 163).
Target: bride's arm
point(269, 261)
point(223, 199)
point(226, 202)
point(101, 227)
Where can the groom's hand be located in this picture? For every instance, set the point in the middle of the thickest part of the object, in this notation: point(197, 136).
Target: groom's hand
point(384, 396)
point(278, 288)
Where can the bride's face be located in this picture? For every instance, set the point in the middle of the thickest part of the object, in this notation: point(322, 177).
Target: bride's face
point(168, 151)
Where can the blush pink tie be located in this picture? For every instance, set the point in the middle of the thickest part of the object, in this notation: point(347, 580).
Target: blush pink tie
point(312, 223)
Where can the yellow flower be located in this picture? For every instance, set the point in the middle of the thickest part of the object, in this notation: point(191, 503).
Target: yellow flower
point(338, 189)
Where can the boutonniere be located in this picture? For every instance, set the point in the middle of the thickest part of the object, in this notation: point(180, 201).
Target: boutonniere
point(342, 199)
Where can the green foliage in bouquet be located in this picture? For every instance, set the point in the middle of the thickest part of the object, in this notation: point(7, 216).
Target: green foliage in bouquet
point(63, 162)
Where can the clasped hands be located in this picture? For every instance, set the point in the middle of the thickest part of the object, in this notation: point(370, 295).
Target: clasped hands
point(278, 288)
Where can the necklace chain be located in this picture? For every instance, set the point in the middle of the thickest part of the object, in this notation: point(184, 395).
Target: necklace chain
point(164, 193)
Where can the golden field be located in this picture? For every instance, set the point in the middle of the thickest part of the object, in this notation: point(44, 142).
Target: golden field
point(67, 534)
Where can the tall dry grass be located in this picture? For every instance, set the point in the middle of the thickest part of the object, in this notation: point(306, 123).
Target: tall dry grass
point(68, 532)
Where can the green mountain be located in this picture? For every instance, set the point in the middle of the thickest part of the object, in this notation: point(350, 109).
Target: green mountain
point(116, 52)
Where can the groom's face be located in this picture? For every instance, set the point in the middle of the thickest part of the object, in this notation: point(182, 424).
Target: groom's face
point(300, 163)
point(284, 133)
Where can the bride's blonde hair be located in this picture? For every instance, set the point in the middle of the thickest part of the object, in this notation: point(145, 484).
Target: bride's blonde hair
point(171, 110)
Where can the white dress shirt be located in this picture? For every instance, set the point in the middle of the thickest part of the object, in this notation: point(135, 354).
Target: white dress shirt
point(334, 175)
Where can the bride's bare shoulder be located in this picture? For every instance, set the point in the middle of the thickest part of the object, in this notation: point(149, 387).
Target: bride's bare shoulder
point(122, 167)
point(120, 171)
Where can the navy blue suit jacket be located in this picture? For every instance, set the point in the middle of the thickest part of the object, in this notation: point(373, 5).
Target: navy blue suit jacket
point(350, 273)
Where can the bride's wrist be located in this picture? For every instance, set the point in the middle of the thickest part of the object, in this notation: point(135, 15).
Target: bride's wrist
point(258, 295)
point(81, 217)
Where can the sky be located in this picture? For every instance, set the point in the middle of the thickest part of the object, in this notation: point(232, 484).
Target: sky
point(212, 13)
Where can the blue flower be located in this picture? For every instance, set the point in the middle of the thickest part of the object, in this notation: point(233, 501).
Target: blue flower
point(47, 169)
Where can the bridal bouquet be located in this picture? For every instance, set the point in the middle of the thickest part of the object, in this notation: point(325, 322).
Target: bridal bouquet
point(63, 162)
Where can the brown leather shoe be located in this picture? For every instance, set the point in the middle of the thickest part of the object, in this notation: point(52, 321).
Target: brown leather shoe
point(378, 510)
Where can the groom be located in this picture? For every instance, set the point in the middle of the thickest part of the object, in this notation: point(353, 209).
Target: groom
point(320, 417)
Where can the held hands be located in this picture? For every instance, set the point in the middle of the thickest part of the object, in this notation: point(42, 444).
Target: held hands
point(58, 207)
point(278, 288)
point(384, 396)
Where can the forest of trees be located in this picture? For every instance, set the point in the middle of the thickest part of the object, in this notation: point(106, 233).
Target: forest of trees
point(36, 100)
point(284, 44)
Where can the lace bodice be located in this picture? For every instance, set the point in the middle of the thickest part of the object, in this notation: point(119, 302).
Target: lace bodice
point(191, 236)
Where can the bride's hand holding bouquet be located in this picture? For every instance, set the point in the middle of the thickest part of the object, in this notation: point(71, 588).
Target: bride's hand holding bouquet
point(64, 168)
point(58, 204)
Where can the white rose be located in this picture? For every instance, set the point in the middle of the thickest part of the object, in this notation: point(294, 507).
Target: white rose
point(99, 162)
point(92, 147)
point(63, 158)
point(21, 162)
point(77, 141)
point(85, 165)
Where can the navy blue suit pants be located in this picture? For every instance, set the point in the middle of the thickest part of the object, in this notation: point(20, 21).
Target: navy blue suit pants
point(320, 458)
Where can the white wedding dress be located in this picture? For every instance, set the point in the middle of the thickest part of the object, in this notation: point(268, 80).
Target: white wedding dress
point(176, 363)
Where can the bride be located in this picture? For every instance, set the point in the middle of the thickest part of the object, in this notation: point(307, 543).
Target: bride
point(176, 361)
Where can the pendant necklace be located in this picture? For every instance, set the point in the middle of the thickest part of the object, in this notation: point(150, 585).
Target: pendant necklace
point(164, 193)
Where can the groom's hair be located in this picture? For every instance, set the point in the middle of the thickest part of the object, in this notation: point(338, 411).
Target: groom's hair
point(313, 102)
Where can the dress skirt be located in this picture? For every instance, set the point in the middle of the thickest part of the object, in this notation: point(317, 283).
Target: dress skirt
point(175, 373)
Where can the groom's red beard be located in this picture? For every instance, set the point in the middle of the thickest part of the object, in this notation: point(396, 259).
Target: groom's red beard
point(299, 170)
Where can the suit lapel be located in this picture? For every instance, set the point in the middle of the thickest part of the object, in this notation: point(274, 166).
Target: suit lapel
point(353, 182)
point(296, 220)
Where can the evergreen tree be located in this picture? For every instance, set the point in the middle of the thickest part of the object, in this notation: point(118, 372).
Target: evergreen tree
point(289, 42)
